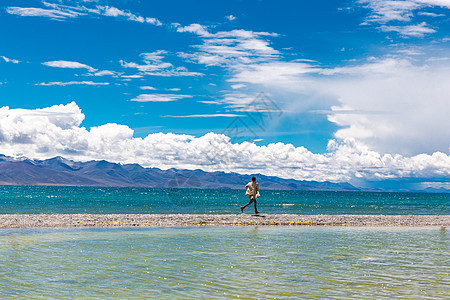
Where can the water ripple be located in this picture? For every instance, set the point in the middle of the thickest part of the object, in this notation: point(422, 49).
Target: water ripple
point(217, 263)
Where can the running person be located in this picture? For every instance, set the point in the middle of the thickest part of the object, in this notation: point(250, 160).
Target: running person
point(252, 192)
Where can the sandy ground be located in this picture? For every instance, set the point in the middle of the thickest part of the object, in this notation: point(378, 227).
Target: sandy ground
point(174, 220)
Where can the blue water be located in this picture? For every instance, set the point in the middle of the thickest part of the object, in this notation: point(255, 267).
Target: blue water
point(71, 200)
point(225, 263)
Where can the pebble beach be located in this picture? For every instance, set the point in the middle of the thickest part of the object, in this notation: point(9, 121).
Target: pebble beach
point(182, 220)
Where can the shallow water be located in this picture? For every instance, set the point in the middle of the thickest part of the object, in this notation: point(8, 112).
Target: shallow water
point(47, 199)
point(216, 263)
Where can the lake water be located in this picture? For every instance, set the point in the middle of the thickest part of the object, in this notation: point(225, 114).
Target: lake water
point(45, 199)
point(225, 263)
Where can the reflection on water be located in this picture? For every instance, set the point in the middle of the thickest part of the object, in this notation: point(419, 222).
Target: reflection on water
point(282, 263)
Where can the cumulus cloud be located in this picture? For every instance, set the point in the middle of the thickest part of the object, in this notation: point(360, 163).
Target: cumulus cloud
point(403, 110)
point(57, 130)
point(391, 104)
point(68, 65)
point(159, 97)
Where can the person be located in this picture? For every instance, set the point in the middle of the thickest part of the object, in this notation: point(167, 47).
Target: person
point(252, 192)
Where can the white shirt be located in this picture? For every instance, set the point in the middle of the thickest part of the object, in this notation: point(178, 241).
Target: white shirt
point(252, 189)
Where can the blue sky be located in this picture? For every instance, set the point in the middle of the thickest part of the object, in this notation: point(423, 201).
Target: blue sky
point(368, 77)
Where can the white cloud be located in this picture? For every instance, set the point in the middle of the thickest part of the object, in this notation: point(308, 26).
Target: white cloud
point(173, 89)
point(230, 47)
point(147, 88)
point(115, 12)
point(62, 12)
point(394, 104)
point(410, 51)
point(106, 73)
point(411, 105)
point(384, 11)
point(11, 60)
point(241, 33)
point(433, 59)
point(153, 21)
point(41, 12)
point(266, 72)
point(195, 28)
point(230, 17)
point(68, 65)
point(159, 97)
point(72, 83)
point(179, 71)
point(156, 56)
point(374, 66)
point(132, 76)
point(428, 14)
point(210, 102)
point(418, 30)
point(238, 86)
point(441, 3)
point(398, 105)
point(388, 11)
point(237, 100)
point(154, 66)
point(57, 130)
point(207, 116)
point(145, 67)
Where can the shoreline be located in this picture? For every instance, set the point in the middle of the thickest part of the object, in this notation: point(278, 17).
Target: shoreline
point(189, 220)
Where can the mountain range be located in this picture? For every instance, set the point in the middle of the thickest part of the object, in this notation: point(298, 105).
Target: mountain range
point(64, 172)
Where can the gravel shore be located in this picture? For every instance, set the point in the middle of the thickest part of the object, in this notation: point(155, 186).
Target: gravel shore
point(175, 220)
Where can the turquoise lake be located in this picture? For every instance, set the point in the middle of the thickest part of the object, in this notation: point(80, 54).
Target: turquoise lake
point(96, 200)
point(225, 262)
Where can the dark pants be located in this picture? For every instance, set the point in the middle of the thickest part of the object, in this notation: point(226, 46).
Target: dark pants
point(251, 200)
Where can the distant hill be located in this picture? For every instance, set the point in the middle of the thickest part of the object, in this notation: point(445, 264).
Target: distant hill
point(61, 171)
